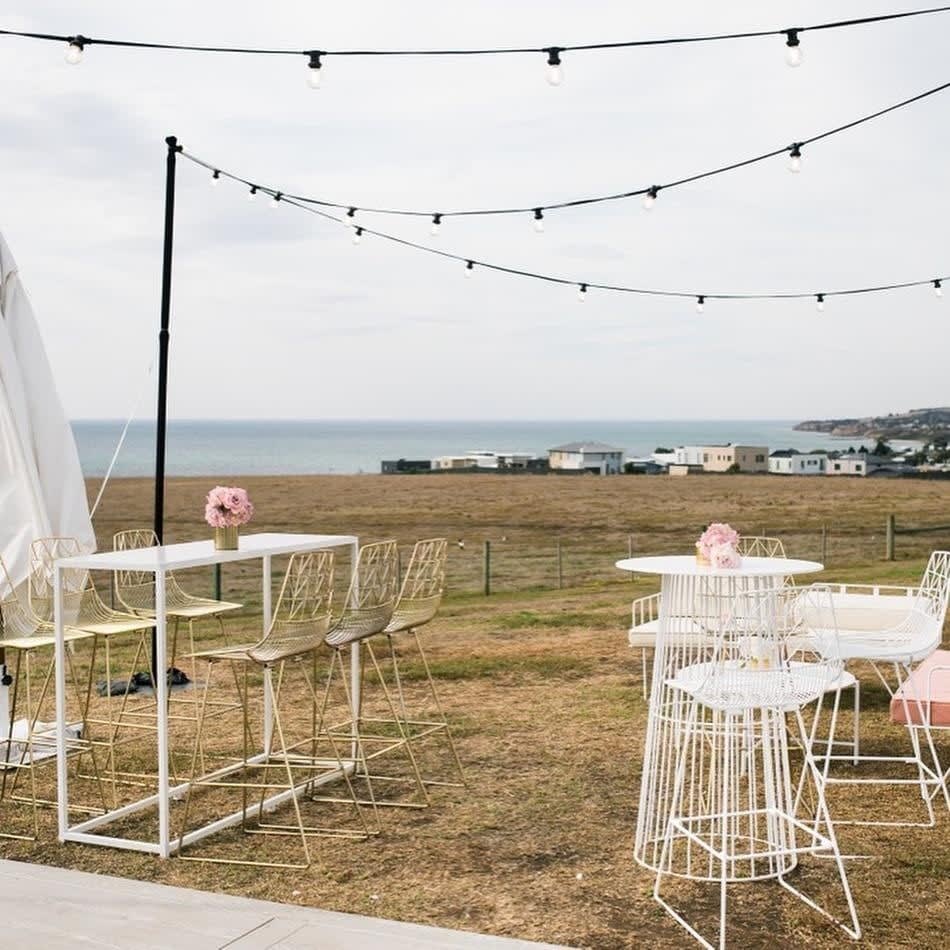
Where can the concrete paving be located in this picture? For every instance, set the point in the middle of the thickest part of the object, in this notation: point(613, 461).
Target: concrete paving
point(55, 909)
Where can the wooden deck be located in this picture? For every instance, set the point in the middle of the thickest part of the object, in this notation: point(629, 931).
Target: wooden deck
point(58, 909)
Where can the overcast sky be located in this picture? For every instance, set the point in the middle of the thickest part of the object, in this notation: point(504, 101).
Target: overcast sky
point(276, 314)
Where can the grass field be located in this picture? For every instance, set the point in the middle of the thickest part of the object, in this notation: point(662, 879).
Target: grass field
point(547, 702)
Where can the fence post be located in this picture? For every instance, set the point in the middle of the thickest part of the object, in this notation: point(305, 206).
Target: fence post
point(889, 538)
point(824, 544)
point(560, 567)
point(630, 554)
point(217, 582)
point(486, 569)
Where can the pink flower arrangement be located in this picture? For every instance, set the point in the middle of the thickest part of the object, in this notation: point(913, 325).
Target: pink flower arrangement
point(228, 507)
point(717, 545)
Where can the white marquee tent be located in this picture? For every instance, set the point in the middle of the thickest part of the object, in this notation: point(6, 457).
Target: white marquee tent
point(41, 486)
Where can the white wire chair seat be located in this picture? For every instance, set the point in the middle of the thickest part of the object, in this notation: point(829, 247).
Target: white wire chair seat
point(301, 618)
point(83, 608)
point(136, 589)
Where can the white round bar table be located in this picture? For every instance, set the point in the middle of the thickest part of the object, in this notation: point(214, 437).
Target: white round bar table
point(689, 622)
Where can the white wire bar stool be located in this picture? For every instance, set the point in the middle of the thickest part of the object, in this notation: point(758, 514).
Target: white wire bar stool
point(892, 639)
point(419, 598)
point(645, 611)
point(732, 818)
point(135, 591)
point(26, 749)
point(84, 609)
point(286, 652)
point(369, 608)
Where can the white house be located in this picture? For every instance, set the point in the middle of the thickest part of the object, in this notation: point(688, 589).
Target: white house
point(848, 464)
point(791, 462)
point(689, 455)
point(453, 462)
point(586, 457)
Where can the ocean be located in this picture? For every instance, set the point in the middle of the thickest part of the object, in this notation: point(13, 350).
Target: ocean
point(291, 447)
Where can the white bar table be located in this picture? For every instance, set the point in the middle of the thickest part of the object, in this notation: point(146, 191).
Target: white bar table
point(685, 633)
point(159, 561)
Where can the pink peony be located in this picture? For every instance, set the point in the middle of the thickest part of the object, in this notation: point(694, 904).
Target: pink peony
point(228, 507)
point(717, 535)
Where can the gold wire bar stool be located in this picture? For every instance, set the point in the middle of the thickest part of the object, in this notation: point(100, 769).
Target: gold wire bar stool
point(84, 610)
point(25, 750)
point(135, 591)
point(419, 599)
point(293, 768)
point(369, 607)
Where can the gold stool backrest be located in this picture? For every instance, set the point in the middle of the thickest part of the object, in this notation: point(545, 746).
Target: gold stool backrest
point(422, 587)
point(372, 594)
point(81, 603)
point(136, 589)
point(302, 616)
point(16, 620)
point(760, 546)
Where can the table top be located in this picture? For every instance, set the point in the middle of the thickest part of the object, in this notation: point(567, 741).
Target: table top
point(170, 557)
point(686, 564)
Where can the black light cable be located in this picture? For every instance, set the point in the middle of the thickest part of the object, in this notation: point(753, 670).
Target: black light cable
point(585, 286)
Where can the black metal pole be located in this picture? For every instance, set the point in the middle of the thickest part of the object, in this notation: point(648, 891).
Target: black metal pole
point(160, 417)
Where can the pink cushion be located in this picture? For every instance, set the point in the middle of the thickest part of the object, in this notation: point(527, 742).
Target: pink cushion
point(933, 691)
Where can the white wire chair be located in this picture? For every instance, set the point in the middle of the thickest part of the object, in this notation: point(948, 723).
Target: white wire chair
point(26, 748)
point(733, 817)
point(300, 623)
point(893, 630)
point(83, 609)
point(370, 603)
point(645, 611)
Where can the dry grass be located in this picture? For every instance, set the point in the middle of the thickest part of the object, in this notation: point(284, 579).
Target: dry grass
point(547, 702)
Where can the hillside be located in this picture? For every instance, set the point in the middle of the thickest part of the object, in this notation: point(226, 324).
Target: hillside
point(919, 424)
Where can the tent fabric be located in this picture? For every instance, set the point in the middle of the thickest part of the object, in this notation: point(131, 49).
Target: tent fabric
point(42, 491)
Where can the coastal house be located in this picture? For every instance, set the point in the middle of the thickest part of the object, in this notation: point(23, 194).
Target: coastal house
point(452, 462)
point(586, 457)
point(721, 458)
point(793, 462)
point(848, 463)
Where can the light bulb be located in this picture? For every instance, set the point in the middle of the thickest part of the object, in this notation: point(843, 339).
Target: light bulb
point(555, 73)
point(275, 201)
point(74, 51)
point(820, 303)
point(938, 289)
point(436, 226)
point(582, 293)
point(795, 159)
point(793, 49)
point(700, 304)
point(357, 235)
point(252, 193)
point(649, 198)
point(314, 71)
point(215, 177)
point(469, 268)
point(538, 220)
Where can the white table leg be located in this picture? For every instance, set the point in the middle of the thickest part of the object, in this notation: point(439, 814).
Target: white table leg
point(267, 609)
point(161, 692)
point(62, 795)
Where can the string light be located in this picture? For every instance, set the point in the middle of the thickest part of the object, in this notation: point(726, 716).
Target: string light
point(538, 220)
point(314, 69)
point(215, 177)
point(793, 48)
point(351, 212)
point(700, 303)
point(820, 303)
point(649, 198)
point(74, 49)
point(938, 289)
point(357, 235)
point(252, 194)
point(795, 158)
point(436, 227)
point(935, 283)
point(555, 72)
point(275, 201)
point(469, 268)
